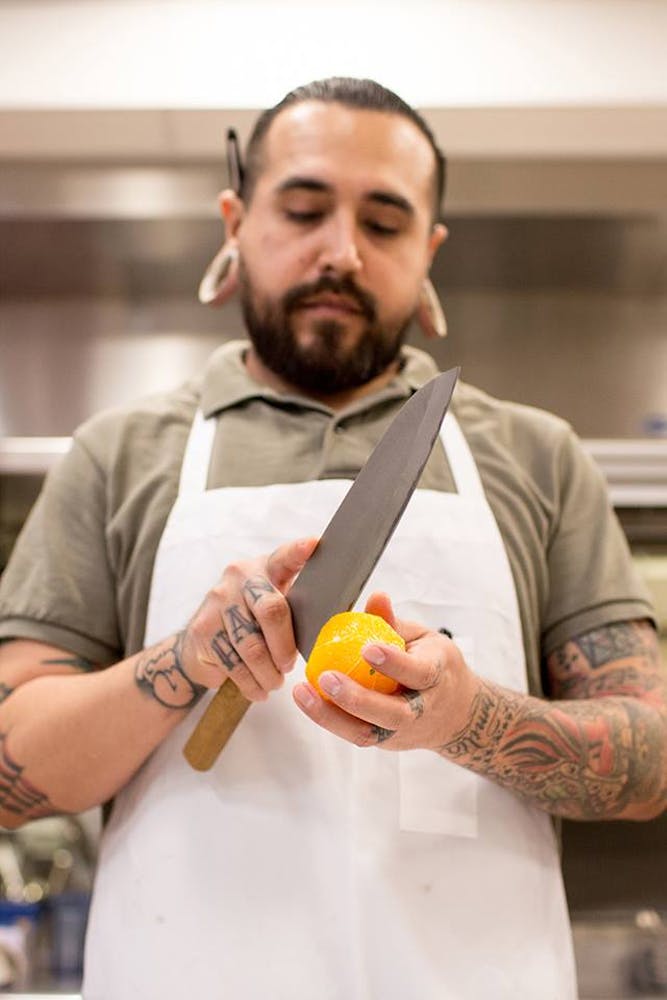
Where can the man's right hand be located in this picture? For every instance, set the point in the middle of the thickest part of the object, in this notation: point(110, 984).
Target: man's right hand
point(243, 630)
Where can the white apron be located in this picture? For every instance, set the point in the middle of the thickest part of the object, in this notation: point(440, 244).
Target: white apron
point(301, 867)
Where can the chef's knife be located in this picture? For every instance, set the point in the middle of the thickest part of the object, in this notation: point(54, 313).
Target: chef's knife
point(349, 549)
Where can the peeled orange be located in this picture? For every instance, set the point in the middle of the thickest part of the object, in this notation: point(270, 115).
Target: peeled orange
point(339, 645)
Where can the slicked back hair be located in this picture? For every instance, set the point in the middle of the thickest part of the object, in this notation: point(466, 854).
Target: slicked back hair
point(365, 95)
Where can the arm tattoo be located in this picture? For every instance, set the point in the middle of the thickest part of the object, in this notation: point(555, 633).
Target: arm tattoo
point(601, 751)
point(78, 662)
point(160, 673)
point(17, 795)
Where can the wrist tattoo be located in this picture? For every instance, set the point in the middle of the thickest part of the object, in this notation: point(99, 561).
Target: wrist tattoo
point(17, 795)
point(160, 673)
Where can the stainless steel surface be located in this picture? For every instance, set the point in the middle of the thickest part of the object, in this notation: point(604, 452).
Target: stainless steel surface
point(361, 527)
point(568, 314)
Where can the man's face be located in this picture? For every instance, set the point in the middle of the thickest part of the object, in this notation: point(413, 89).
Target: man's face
point(335, 243)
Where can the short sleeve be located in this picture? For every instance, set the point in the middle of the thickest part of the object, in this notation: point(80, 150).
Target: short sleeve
point(58, 586)
point(592, 579)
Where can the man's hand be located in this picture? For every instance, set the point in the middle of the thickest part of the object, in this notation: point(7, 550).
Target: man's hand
point(598, 751)
point(243, 630)
point(432, 705)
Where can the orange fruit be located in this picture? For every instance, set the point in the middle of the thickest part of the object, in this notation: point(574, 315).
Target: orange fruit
point(339, 645)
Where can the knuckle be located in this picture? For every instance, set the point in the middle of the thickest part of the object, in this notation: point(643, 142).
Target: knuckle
point(254, 650)
point(248, 686)
point(273, 610)
point(433, 673)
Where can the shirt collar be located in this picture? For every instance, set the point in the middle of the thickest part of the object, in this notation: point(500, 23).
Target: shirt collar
point(226, 383)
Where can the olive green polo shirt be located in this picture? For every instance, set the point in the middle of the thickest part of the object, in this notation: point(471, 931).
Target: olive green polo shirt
point(80, 573)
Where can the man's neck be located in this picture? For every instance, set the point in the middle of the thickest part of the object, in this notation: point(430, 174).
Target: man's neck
point(258, 371)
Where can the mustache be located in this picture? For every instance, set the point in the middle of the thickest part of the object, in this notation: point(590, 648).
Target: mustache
point(339, 286)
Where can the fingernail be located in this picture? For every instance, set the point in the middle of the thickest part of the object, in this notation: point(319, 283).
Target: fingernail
point(330, 683)
point(374, 655)
point(304, 696)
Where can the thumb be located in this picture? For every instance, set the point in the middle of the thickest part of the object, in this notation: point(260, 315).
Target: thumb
point(380, 604)
point(285, 562)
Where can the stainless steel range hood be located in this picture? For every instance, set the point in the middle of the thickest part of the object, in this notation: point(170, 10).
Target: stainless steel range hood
point(554, 277)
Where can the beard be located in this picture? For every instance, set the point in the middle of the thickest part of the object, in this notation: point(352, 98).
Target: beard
point(327, 364)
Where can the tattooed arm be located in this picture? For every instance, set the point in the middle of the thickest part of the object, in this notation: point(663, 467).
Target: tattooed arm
point(72, 736)
point(599, 750)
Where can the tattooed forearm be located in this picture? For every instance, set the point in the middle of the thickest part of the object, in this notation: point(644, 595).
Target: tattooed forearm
point(601, 751)
point(583, 760)
point(78, 662)
point(160, 673)
point(18, 796)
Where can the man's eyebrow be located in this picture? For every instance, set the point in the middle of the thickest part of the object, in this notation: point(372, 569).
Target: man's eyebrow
point(320, 187)
point(307, 183)
point(389, 198)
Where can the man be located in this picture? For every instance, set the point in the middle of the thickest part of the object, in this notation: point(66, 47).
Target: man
point(314, 860)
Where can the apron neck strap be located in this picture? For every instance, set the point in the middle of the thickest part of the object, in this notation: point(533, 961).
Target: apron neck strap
point(197, 457)
point(461, 462)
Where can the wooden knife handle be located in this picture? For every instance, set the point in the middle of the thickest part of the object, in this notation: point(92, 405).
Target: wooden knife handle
point(210, 735)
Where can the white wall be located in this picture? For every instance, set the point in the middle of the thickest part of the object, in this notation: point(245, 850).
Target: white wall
point(247, 53)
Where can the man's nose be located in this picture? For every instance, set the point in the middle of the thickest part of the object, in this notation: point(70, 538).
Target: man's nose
point(340, 249)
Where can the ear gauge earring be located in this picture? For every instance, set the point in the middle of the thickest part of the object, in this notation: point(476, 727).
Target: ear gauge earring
point(430, 314)
point(220, 279)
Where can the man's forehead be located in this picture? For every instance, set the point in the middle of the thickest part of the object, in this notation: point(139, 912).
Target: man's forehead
point(330, 138)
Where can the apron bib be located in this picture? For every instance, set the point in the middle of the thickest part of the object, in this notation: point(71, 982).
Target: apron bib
point(300, 866)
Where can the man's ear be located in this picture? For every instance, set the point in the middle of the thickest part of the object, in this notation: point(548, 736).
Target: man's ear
point(430, 314)
point(220, 279)
point(439, 234)
point(232, 211)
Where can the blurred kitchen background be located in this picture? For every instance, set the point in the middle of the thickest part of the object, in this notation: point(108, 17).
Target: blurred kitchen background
point(554, 282)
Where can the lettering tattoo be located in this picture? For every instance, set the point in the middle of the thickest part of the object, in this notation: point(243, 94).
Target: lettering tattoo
point(17, 795)
point(78, 662)
point(255, 588)
point(241, 624)
point(416, 702)
point(160, 674)
point(598, 752)
point(224, 650)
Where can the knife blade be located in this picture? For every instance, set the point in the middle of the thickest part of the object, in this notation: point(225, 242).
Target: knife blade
point(349, 549)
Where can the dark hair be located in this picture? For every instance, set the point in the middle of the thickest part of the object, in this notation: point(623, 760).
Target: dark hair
point(363, 94)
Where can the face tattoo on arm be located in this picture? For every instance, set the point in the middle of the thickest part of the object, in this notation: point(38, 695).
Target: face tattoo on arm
point(160, 674)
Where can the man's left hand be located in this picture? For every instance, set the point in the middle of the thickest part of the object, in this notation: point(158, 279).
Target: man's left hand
point(433, 702)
